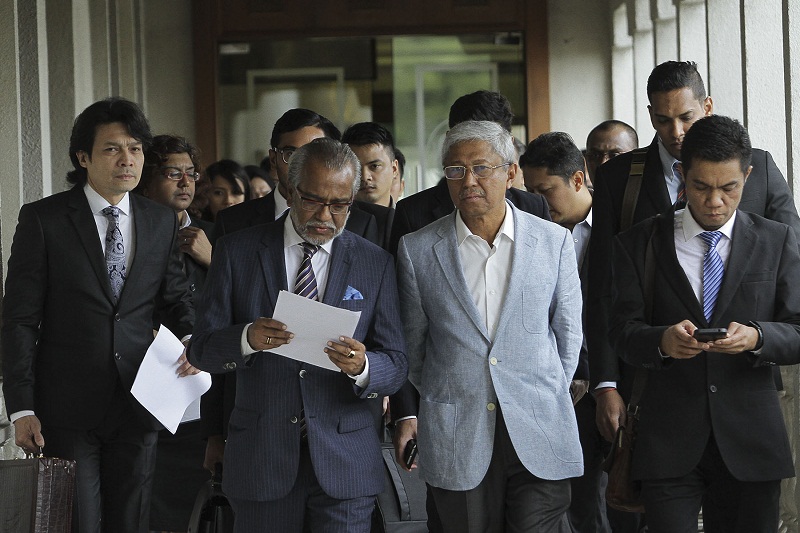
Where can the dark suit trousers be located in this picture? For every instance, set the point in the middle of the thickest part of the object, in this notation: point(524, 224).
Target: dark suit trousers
point(587, 511)
point(509, 499)
point(305, 508)
point(729, 505)
point(115, 464)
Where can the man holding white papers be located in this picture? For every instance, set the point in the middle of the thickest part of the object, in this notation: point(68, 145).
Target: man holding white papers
point(302, 448)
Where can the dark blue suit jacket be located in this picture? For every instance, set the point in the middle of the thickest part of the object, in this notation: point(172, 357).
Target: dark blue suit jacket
point(263, 448)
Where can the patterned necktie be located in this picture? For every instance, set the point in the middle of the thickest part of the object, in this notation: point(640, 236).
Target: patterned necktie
point(115, 251)
point(680, 202)
point(306, 285)
point(713, 270)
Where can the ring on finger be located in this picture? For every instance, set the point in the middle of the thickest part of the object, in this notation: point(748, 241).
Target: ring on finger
point(351, 354)
point(269, 340)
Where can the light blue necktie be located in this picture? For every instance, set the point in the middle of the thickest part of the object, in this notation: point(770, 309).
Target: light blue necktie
point(115, 251)
point(713, 270)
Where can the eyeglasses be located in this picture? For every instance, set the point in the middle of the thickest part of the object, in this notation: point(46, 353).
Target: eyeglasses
point(286, 153)
point(336, 208)
point(457, 172)
point(177, 174)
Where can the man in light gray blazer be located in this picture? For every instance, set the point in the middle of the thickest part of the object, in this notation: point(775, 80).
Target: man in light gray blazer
point(491, 305)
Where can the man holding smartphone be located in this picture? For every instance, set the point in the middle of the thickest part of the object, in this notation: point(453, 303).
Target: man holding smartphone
point(711, 431)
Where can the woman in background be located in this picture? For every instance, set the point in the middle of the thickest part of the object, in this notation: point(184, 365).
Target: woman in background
point(230, 185)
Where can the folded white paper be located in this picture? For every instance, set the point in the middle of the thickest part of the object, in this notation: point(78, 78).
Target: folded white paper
point(159, 389)
point(313, 324)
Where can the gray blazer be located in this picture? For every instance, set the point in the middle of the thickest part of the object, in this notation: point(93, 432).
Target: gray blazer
point(462, 376)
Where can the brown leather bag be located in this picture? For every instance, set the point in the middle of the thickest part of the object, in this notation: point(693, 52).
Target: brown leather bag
point(37, 495)
point(622, 492)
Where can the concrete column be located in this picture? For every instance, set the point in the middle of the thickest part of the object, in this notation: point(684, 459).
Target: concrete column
point(641, 29)
point(665, 28)
point(623, 96)
point(765, 82)
point(29, 103)
point(725, 76)
point(692, 38)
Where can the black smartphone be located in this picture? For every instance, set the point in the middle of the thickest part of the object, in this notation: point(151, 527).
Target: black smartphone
point(710, 334)
point(410, 453)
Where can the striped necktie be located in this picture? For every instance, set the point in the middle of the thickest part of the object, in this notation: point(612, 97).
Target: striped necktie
point(306, 286)
point(713, 270)
point(115, 251)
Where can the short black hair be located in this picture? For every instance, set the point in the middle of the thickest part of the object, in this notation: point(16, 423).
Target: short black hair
point(295, 119)
point(716, 138)
point(106, 111)
point(672, 75)
point(230, 170)
point(608, 125)
point(401, 161)
point(366, 133)
point(158, 152)
point(482, 105)
point(555, 151)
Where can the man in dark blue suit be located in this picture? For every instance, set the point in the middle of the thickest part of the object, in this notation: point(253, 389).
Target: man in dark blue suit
point(302, 450)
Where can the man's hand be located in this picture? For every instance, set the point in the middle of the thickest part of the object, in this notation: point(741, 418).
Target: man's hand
point(577, 389)
point(184, 367)
point(266, 333)
point(404, 431)
point(678, 343)
point(193, 241)
point(215, 452)
point(28, 434)
point(348, 354)
point(610, 413)
point(740, 339)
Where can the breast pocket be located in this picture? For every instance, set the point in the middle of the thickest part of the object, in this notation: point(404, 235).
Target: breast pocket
point(536, 308)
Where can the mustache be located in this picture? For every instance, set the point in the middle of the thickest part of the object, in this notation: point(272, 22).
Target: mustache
point(471, 192)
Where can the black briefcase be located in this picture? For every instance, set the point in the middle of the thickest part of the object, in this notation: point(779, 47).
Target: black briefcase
point(36, 495)
point(212, 512)
point(401, 506)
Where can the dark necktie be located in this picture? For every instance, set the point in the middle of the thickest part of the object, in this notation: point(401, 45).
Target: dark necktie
point(713, 270)
point(680, 202)
point(306, 286)
point(115, 251)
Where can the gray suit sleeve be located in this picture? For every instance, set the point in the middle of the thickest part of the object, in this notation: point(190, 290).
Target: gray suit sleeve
point(415, 322)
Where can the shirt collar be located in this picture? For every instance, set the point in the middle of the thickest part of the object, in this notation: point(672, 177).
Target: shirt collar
point(506, 228)
point(97, 203)
point(692, 229)
point(667, 161)
point(187, 221)
point(292, 238)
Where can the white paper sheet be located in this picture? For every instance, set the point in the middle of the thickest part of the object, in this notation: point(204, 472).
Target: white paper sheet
point(313, 324)
point(159, 389)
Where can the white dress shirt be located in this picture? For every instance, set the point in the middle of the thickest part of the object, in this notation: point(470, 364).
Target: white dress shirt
point(320, 263)
point(691, 248)
point(486, 267)
point(667, 166)
point(580, 238)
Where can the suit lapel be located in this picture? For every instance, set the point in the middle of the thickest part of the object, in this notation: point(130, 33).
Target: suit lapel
point(339, 270)
point(81, 216)
point(666, 259)
point(653, 184)
point(446, 251)
point(143, 230)
point(744, 240)
point(271, 257)
point(524, 253)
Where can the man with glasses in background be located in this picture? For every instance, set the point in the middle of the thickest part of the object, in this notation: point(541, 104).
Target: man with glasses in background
point(302, 451)
point(491, 306)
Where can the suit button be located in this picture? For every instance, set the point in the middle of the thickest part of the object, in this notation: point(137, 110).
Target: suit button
point(372, 395)
point(293, 420)
point(302, 374)
point(192, 287)
point(117, 317)
point(229, 366)
point(713, 388)
point(117, 356)
point(490, 407)
point(493, 360)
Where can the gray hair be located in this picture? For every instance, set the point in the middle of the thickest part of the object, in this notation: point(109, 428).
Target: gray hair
point(331, 153)
point(492, 133)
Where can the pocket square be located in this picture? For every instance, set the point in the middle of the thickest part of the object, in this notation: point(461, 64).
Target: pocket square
point(352, 294)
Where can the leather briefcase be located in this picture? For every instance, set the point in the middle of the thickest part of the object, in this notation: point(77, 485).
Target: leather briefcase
point(36, 495)
point(623, 492)
point(212, 512)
